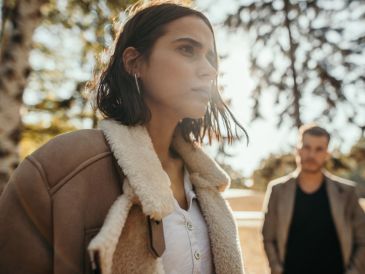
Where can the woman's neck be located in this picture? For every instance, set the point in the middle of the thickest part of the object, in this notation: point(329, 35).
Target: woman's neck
point(161, 131)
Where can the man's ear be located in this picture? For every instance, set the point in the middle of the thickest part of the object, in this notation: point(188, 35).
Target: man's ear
point(131, 60)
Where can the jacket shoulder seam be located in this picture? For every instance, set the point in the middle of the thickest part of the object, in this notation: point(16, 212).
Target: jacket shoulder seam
point(38, 166)
point(57, 186)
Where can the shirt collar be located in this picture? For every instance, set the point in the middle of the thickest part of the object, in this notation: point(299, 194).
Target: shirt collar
point(189, 192)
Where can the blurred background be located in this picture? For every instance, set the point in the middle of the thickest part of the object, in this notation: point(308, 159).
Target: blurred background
point(282, 63)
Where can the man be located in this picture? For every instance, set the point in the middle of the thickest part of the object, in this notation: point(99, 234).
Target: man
point(313, 221)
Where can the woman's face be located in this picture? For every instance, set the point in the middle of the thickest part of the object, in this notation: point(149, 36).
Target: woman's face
point(177, 77)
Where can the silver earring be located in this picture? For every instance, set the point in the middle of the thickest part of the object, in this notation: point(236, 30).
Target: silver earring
point(137, 84)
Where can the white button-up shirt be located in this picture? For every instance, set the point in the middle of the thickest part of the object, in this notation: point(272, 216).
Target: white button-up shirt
point(186, 238)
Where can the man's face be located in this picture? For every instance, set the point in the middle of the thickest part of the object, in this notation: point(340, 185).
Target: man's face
point(312, 153)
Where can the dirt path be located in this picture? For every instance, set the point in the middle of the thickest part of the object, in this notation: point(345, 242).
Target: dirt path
point(249, 229)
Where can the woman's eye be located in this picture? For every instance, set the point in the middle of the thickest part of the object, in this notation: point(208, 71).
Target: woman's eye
point(187, 50)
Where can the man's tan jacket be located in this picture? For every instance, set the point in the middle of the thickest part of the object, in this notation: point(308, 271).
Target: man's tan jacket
point(348, 217)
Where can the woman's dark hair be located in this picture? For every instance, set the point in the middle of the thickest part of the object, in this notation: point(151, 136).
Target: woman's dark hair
point(116, 93)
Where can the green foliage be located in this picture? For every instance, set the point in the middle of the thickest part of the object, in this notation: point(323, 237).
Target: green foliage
point(274, 166)
point(237, 180)
point(306, 52)
point(34, 136)
point(350, 166)
point(72, 37)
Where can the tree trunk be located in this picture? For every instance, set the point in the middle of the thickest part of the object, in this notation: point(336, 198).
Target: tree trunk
point(20, 19)
point(296, 93)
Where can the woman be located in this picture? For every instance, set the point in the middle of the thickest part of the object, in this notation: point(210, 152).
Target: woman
point(138, 195)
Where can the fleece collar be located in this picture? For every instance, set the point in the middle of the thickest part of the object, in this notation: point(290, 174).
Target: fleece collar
point(133, 149)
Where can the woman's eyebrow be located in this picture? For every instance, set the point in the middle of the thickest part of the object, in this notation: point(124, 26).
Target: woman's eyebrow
point(193, 42)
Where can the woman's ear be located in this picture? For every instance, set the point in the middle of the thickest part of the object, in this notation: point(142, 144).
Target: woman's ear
point(130, 60)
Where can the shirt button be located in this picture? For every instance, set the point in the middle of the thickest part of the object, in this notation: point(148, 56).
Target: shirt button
point(189, 226)
point(196, 255)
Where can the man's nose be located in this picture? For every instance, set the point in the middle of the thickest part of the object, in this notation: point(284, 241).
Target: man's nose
point(311, 153)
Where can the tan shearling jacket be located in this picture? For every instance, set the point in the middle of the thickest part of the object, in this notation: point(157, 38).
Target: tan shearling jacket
point(68, 206)
point(348, 217)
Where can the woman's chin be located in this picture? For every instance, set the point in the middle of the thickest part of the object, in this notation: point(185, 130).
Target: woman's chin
point(196, 113)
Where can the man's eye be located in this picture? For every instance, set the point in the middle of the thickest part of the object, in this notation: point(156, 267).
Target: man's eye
point(188, 50)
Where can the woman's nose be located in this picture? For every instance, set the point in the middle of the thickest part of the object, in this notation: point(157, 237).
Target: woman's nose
point(207, 70)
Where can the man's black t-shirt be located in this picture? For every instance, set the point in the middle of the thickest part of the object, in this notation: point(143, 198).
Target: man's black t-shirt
point(313, 246)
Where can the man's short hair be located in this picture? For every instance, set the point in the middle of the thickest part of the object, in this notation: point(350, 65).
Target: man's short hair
point(314, 130)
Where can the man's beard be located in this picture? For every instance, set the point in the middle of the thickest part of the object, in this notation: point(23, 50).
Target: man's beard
point(313, 168)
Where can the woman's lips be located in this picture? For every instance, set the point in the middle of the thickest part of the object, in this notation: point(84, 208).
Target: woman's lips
point(202, 92)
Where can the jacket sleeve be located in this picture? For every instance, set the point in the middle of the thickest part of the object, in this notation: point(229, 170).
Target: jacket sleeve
point(25, 222)
point(357, 260)
point(269, 231)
